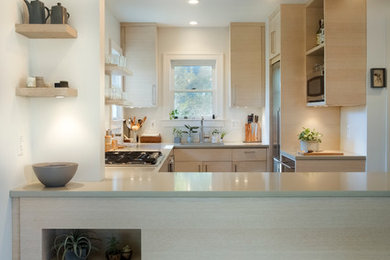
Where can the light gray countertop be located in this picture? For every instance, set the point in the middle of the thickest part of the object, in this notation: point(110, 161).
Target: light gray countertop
point(220, 145)
point(297, 156)
point(143, 182)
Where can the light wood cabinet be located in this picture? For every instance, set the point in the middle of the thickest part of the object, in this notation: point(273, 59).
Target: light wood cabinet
point(336, 165)
point(274, 34)
point(221, 160)
point(247, 64)
point(251, 166)
point(249, 154)
point(139, 44)
point(203, 160)
point(215, 155)
point(188, 166)
point(343, 53)
point(217, 166)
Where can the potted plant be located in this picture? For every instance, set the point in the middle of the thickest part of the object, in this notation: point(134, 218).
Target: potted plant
point(215, 136)
point(113, 252)
point(174, 114)
point(126, 252)
point(177, 135)
point(73, 246)
point(190, 131)
point(223, 133)
point(309, 140)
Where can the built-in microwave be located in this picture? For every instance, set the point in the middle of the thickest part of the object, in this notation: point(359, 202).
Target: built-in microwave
point(315, 87)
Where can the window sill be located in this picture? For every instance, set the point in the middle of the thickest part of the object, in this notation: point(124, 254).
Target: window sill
point(195, 122)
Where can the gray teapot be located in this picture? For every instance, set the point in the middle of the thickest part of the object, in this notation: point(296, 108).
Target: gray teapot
point(36, 11)
point(59, 14)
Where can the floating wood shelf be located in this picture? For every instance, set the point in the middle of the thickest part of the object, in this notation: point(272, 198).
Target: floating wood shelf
point(118, 102)
point(46, 92)
point(316, 104)
point(113, 69)
point(46, 31)
point(316, 51)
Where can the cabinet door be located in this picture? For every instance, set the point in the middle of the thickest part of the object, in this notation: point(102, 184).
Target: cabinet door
point(215, 155)
point(252, 166)
point(345, 52)
point(274, 34)
point(188, 166)
point(259, 154)
point(217, 166)
point(140, 48)
point(247, 59)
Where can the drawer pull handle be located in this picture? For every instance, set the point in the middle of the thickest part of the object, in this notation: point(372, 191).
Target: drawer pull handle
point(249, 151)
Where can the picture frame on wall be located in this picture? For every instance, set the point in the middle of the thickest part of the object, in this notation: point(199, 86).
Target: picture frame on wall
point(378, 78)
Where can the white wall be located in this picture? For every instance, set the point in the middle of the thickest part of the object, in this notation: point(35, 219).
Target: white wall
point(194, 40)
point(353, 129)
point(14, 116)
point(377, 13)
point(365, 130)
point(72, 129)
point(113, 33)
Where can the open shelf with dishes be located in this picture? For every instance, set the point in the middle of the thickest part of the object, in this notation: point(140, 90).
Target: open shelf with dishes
point(46, 31)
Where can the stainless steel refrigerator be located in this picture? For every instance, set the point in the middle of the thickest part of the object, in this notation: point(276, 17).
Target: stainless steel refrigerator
point(275, 111)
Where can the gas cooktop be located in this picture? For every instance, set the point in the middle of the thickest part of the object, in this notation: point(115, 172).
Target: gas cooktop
point(132, 157)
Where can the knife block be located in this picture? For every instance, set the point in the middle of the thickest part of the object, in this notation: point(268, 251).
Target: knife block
point(252, 133)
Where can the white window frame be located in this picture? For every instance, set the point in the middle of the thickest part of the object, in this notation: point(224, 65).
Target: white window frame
point(168, 79)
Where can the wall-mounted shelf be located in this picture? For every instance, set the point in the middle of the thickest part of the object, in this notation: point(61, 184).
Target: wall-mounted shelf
point(46, 92)
point(113, 69)
point(46, 31)
point(316, 104)
point(316, 51)
point(118, 102)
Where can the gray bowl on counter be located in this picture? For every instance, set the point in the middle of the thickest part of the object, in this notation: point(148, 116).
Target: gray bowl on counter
point(55, 174)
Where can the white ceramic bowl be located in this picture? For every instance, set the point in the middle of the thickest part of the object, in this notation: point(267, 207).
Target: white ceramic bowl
point(55, 174)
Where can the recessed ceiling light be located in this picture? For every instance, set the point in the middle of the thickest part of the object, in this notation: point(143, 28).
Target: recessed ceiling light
point(193, 23)
point(193, 2)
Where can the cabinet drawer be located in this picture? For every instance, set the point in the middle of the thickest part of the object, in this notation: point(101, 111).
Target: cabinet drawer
point(252, 166)
point(217, 166)
point(215, 155)
point(188, 166)
point(249, 154)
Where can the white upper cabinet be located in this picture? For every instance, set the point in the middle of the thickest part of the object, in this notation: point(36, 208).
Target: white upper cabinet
point(139, 44)
point(247, 64)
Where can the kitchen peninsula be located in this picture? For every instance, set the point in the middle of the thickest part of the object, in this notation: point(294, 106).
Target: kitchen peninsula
point(216, 215)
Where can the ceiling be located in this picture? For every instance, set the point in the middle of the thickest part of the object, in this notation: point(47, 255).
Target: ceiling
point(208, 13)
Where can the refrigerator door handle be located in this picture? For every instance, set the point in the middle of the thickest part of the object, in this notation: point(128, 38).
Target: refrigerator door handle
point(278, 126)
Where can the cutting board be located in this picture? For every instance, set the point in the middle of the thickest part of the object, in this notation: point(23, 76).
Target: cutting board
point(324, 153)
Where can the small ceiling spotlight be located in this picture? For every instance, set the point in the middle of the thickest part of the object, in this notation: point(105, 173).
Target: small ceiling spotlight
point(193, 23)
point(193, 2)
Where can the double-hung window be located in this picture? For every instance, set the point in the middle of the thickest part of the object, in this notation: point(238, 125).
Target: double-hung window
point(195, 85)
point(194, 88)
